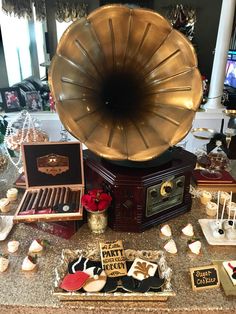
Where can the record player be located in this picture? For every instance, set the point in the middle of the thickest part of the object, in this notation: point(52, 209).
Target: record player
point(126, 84)
point(143, 197)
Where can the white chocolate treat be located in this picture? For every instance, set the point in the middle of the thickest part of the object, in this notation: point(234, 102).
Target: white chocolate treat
point(35, 247)
point(142, 269)
point(205, 197)
point(27, 264)
point(215, 224)
point(231, 208)
point(195, 247)
point(188, 230)
point(166, 231)
point(223, 196)
point(12, 194)
point(93, 284)
point(13, 246)
point(5, 205)
point(211, 209)
point(170, 247)
point(218, 233)
point(4, 262)
point(227, 224)
point(231, 233)
point(229, 266)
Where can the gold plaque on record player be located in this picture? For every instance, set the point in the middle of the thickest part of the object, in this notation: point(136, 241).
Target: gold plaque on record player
point(126, 83)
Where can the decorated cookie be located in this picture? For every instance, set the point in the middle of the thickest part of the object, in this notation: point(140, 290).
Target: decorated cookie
point(170, 247)
point(166, 231)
point(230, 267)
point(4, 262)
point(194, 246)
point(188, 230)
point(37, 246)
point(73, 282)
point(95, 283)
point(125, 283)
point(142, 269)
point(29, 263)
point(152, 282)
point(92, 268)
point(13, 246)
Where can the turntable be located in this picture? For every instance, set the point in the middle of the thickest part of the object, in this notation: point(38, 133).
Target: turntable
point(126, 84)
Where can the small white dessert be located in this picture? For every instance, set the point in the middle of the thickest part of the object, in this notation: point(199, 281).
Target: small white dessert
point(224, 197)
point(4, 262)
point(35, 246)
point(195, 247)
point(211, 209)
point(218, 233)
point(227, 224)
point(12, 194)
point(28, 264)
point(170, 247)
point(188, 230)
point(205, 197)
point(231, 233)
point(13, 246)
point(5, 205)
point(166, 231)
point(215, 225)
point(230, 267)
point(231, 209)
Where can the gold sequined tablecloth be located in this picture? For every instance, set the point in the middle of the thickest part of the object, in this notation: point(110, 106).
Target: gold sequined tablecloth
point(25, 293)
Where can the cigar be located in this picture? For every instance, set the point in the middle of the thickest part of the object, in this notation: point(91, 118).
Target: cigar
point(77, 200)
point(31, 201)
point(67, 195)
point(73, 197)
point(61, 199)
point(37, 199)
point(50, 204)
point(26, 201)
point(47, 198)
point(41, 202)
point(57, 196)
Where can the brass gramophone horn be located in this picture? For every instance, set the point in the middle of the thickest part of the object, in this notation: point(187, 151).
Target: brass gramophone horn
point(126, 84)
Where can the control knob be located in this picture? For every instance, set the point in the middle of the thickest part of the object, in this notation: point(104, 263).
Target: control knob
point(154, 193)
point(168, 189)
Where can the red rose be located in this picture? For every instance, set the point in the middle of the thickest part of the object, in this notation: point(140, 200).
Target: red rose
point(96, 200)
point(89, 203)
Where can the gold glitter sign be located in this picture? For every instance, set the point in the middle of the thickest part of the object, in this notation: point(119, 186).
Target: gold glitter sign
point(113, 258)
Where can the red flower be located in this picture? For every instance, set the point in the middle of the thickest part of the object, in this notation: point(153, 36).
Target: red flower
point(96, 200)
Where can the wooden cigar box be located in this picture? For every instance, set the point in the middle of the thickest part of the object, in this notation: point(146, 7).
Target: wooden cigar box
point(54, 178)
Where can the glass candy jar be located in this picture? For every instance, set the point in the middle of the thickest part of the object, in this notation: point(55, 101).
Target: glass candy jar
point(23, 129)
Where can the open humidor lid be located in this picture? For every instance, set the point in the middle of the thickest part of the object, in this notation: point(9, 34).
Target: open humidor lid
point(55, 182)
point(53, 164)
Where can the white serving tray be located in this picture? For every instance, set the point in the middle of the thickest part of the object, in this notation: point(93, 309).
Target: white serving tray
point(204, 223)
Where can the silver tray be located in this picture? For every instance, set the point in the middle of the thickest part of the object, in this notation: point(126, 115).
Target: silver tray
point(152, 256)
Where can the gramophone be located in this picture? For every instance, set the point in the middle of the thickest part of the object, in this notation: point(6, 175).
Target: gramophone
point(126, 84)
